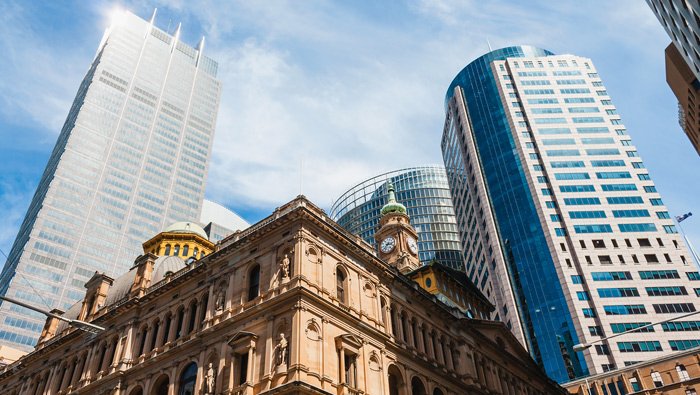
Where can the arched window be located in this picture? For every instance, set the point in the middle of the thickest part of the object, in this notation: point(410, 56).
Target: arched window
point(438, 391)
point(193, 316)
point(167, 249)
point(142, 340)
point(154, 335)
point(180, 322)
point(161, 386)
point(201, 255)
point(188, 379)
point(340, 285)
point(166, 331)
point(203, 310)
point(254, 282)
point(195, 252)
point(185, 249)
point(656, 378)
point(682, 372)
point(176, 250)
point(417, 387)
point(395, 381)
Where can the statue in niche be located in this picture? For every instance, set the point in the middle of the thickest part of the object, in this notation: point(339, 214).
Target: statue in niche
point(209, 380)
point(219, 303)
point(284, 266)
point(281, 351)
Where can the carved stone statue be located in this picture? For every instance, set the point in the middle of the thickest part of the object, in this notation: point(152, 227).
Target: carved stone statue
point(219, 300)
point(209, 380)
point(281, 354)
point(284, 266)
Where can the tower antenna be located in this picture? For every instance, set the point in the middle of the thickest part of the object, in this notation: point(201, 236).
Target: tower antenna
point(489, 44)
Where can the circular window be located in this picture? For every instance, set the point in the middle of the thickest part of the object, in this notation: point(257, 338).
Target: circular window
point(428, 282)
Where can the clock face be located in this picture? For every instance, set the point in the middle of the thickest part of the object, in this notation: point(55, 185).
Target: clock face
point(412, 245)
point(388, 244)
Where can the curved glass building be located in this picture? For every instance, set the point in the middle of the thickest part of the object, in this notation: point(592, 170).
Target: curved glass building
point(559, 220)
point(425, 193)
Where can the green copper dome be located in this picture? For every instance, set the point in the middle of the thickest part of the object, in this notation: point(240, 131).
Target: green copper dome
point(393, 206)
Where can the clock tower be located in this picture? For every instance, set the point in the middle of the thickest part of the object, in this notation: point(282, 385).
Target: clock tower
point(396, 237)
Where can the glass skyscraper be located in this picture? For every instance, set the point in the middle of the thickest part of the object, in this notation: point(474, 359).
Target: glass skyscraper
point(131, 158)
point(425, 193)
point(558, 216)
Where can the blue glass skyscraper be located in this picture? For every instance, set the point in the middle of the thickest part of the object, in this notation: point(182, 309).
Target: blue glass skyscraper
point(559, 220)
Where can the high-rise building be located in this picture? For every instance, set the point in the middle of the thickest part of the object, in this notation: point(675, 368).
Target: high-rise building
point(559, 217)
point(681, 20)
point(131, 158)
point(425, 192)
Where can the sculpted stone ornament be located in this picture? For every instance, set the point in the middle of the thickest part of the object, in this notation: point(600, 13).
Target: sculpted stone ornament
point(209, 381)
point(219, 300)
point(281, 352)
point(284, 266)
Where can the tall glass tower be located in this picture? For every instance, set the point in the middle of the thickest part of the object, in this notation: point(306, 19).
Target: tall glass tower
point(131, 158)
point(425, 193)
point(558, 215)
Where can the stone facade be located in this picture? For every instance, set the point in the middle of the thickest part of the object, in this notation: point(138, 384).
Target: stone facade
point(292, 305)
point(674, 374)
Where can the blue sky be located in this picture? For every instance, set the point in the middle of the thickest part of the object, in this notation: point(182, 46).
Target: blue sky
point(349, 89)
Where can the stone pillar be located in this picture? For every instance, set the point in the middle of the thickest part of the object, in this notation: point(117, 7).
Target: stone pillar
point(341, 379)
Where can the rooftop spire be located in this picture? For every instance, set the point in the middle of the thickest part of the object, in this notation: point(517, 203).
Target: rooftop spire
point(393, 206)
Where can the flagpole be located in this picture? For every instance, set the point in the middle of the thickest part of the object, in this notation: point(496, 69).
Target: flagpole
point(680, 219)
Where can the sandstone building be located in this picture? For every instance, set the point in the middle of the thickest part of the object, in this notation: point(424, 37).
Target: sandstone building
point(292, 305)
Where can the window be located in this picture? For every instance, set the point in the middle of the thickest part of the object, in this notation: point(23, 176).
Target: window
point(680, 345)
point(176, 250)
point(576, 279)
point(656, 378)
point(188, 377)
point(350, 369)
point(674, 308)
point(595, 331)
point(254, 283)
point(628, 326)
point(586, 214)
point(625, 200)
point(671, 229)
point(693, 276)
point(185, 250)
point(577, 188)
point(682, 372)
point(589, 313)
point(630, 213)
point(625, 309)
point(681, 326)
point(666, 291)
point(611, 276)
point(340, 285)
point(242, 365)
point(658, 274)
point(566, 164)
point(639, 346)
point(572, 176)
point(582, 295)
point(602, 349)
point(637, 227)
point(617, 292)
point(606, 175)
point(634, 383)
point(604, 228)
point(167, 250)
point(663, 215)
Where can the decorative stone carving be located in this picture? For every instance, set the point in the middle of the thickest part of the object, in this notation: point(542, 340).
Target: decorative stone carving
point(284, 266)
point(210, 380)
point(281, 349)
